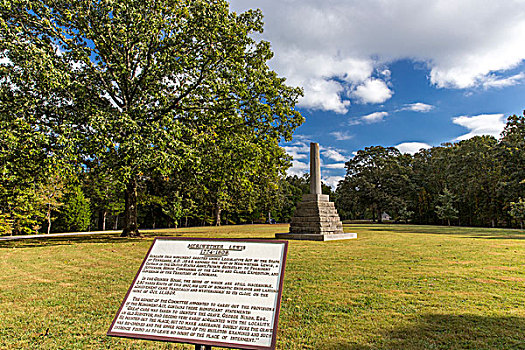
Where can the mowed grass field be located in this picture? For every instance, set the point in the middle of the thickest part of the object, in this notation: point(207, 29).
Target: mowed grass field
point(395, 287)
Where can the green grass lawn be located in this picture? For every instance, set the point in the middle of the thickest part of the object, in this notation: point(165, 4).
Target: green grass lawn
point(395, 287)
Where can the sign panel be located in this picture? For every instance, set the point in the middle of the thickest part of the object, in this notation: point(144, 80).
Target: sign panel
point(219, 292)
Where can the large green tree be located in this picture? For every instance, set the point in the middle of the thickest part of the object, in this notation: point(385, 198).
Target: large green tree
point(445, 209)
point(376, 178)
point(511, 155)
point(472, 173)
point(517, 211)
point(123, 80)
point(74, 215)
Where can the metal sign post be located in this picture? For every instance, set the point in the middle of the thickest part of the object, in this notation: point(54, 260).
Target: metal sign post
point(202, 347)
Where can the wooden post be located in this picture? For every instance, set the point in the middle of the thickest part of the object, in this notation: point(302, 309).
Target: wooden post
point(202, 347)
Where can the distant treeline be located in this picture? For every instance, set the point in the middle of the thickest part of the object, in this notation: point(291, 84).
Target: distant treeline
point(475, 182)
point(228, 185)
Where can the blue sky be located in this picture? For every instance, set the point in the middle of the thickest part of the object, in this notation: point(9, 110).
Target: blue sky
point(404, 73)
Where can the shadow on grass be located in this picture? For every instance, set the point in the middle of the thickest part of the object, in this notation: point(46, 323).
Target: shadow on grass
point(449, 332)
point(468, 232)
point(70, 240)
point(113, 238)
point(514, 236)
point(67, 240)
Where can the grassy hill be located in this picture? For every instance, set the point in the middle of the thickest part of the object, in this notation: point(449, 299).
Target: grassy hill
point(395, 287)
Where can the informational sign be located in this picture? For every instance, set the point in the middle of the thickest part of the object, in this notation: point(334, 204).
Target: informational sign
point(219, 292)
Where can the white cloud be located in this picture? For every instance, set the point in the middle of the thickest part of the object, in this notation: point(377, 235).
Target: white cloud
point(298, 152)
point(334, 155)
point(386, 73)
point(5, 61)
point(324, 77)
point(484, 124)
point(77, 65)
point(298, 168)
point(332, 181)
point(354, 121)
point(341, 135)
point(417, 107)
point(412, 147)
point(497, 82)
point(302, 139)
point(324, 95)
point(374, 117)
point(108, 97)
point(58, 50)
point(334, 166)
point(333, 48)
point(372, 91)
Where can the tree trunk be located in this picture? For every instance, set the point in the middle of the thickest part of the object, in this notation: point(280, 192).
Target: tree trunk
point(115, 226)
point(217, 211)
point(448, 220)
point(186, 221)
point(131, 228)
point(102, 214)
point(49, 219)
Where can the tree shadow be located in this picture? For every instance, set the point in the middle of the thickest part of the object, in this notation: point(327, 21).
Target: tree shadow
point(66, 240)
point(437, 331)
point(99, 238)
point(515, 236)
point(467, 232)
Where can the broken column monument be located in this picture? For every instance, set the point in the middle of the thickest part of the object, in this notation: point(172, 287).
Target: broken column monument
point(316, 218)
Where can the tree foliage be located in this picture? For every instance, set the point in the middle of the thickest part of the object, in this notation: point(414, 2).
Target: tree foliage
point(123, 83)
point(471, 182)
point(75, 214)
point(378, 177)
point(517, 211)
point(445, 208)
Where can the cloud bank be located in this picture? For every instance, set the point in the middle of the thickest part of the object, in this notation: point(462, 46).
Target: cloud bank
point(412, 147)
point(484, 124)
point(338, 49)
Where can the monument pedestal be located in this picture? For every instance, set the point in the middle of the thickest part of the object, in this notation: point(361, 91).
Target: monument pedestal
point(316, 219)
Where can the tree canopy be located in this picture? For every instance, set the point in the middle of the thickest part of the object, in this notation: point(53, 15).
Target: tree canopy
point(129, 86)
point(471, 182)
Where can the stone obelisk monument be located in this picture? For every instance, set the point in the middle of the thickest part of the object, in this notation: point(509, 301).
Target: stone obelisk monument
point(316, 218)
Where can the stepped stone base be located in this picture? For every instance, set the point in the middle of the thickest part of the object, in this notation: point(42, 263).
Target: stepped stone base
point(315, 237)
point(316, 219)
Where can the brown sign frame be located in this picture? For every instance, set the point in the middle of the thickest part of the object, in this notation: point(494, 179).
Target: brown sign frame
point(207, 342)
